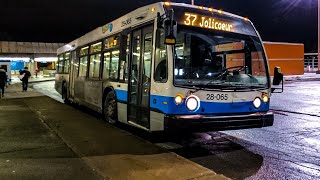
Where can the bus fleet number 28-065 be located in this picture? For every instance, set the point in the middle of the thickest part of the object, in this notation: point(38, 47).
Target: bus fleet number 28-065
point(221, 97)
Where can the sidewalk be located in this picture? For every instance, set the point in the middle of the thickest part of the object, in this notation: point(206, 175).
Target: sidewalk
point(14, 91)
point(33, 79)
point(109, 151)
point(305, 77)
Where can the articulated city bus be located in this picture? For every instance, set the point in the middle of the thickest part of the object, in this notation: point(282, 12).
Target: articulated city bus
point(170, 65)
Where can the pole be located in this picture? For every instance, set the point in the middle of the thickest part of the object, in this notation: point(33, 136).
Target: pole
point(192, 2)
point(318, 72)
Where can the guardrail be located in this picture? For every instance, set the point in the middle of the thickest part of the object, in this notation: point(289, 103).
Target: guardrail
point(311, 65)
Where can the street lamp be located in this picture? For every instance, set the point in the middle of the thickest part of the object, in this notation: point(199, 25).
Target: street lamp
point(318, 72)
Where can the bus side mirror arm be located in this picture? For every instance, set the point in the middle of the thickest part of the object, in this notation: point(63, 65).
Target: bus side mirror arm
point(273, 90)
point(170, 38)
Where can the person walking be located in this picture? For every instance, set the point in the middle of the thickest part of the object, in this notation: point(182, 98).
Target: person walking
point(25, 79)
point(36, 71)
point(3, 81)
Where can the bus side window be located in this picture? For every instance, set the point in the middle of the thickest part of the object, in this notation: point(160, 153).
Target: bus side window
point(160, 73)
point(125, 54)
point(83, 61)
point(114, 65)
point(111, 58)
point(60, 63)
point(66, 62)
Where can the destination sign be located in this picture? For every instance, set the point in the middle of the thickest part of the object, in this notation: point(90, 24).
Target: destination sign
point(191, 19)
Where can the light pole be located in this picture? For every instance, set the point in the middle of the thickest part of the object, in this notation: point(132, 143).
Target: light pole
point(192, 2)
point(318, 72)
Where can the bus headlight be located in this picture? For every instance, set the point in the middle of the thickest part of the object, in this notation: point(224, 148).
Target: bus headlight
point(178, 99)
point(193, 103)
point(257, 102)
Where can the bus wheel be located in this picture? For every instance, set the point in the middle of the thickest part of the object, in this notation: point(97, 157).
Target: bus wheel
point(110, 108)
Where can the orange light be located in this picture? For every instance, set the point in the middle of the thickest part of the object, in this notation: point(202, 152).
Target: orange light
point(153, 9)
point(246, 19)
point(200, 7)
point(167, 3)
point(210, 9)
point(220, 11)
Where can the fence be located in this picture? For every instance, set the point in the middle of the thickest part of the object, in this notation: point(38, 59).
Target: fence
point(311, 65)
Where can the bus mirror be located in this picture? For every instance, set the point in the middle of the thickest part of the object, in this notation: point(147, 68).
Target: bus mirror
point(278, 76)
point(277, 80)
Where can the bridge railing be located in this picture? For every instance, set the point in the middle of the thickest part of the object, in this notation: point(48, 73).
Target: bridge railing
point(311, 65)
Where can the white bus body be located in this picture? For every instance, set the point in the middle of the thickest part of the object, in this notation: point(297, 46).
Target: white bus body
point(125, 71)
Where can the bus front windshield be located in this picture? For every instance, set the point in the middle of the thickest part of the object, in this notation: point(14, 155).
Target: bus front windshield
point(223, 60)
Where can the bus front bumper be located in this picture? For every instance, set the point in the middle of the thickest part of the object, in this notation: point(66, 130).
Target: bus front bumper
point(218, 122)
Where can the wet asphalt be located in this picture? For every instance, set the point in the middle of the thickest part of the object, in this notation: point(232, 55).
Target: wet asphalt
point(31, 150)
point(290, 149)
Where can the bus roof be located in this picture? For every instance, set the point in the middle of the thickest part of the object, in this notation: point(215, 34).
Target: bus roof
point(135, 18)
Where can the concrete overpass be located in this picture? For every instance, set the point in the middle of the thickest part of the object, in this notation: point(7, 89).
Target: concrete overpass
point(29, 54)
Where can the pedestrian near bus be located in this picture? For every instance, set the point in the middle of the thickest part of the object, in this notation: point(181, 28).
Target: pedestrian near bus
point(25, 78)
point(3, 81)
point(37, 71)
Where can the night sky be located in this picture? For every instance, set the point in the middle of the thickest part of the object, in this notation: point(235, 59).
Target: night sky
point(64, 20)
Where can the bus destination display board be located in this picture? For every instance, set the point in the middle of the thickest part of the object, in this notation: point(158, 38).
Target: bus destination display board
point(191, 19)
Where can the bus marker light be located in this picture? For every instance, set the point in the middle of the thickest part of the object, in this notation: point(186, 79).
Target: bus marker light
point(167, 3)
point(265, 98)
point(178, 99)
point(257, 102)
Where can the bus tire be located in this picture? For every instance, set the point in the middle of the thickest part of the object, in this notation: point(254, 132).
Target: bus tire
point(110, 108)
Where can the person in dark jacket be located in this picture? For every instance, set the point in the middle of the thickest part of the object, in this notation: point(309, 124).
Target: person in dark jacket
point(3, 81)
point(25, 79)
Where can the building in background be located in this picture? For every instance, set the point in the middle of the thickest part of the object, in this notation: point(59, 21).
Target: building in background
point(288, 56)
point(17, 55)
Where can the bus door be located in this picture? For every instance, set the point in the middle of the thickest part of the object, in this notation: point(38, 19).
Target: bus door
point(73, 72)
point(139, 81)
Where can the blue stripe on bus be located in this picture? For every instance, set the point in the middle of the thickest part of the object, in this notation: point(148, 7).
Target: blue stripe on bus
point(167, 105)
point(122, 95)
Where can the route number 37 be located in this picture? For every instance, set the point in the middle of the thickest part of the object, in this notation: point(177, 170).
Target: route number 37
point(190, 19)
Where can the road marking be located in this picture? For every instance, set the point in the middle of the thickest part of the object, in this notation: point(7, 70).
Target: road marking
point(293, 112)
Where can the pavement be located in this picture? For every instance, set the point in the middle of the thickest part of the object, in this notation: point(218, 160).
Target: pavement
point(30, 150)
point(14, 91)
point(44, 139)
point(33, 79)
point(287, 150)
point(304, 77)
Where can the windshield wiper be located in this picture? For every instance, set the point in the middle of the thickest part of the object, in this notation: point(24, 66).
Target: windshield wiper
point(243, 87)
